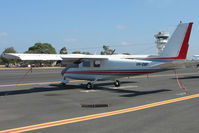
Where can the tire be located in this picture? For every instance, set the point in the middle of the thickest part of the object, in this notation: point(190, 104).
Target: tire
point(63, 84)
point(89, 85)
point(117, 83)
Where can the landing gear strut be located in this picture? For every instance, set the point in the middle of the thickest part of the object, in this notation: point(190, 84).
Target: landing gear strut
point(117, 83)
point(64, 81)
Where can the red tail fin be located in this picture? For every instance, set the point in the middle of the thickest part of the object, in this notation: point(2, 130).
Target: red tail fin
point(185, 44)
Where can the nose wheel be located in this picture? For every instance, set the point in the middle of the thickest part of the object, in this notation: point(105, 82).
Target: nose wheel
point(89, 85)
point(117, 83)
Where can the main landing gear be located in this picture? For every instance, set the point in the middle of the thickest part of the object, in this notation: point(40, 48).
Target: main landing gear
point(90, 85)
point(64, 82)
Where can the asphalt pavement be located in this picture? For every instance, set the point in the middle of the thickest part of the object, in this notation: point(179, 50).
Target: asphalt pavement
point(139, 105)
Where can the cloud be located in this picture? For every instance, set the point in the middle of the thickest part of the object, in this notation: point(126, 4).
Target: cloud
point(3, 34)
point(71, 40)
point(6, 43)
point(124, 43)
point(120, 27)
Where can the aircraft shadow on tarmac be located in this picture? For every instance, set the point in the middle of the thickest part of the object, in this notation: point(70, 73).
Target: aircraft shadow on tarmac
point(188, 77)
point(53, 87)
point(100, 86)
point(36, 90)
point(111, 83)
point(138, 93)
point(132, 93)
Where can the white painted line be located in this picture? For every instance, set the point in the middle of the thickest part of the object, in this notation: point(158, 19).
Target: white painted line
point(87, 91)
point(181, 94)
point(123, 87)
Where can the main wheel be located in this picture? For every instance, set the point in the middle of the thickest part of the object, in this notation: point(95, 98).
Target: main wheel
point(117, 83)
point(63, 84)
point(89, 85)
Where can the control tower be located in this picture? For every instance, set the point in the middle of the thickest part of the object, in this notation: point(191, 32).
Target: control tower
point(161, 40)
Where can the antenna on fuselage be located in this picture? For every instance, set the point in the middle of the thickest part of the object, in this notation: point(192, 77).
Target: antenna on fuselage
point(96, 51)
point(113, 52)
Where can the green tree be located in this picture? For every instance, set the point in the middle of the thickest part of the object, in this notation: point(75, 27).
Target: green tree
point(8, 61)
point(63, 50)
point(76, 52)
point(107, 50)
point(42, 48)
point(88, 53)
point(126, 53)
point(1, 62)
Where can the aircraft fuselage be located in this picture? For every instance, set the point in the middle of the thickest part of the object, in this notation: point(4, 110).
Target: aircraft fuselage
point(110, 69)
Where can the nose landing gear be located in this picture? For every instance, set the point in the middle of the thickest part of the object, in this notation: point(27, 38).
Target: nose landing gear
point(89, 85)
point(117, 83)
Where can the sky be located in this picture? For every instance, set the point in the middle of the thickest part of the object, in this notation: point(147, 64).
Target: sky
point(128, 26)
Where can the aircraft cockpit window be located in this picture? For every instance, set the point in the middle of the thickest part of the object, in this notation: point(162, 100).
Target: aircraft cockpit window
point(86, 63)
point(96, 63)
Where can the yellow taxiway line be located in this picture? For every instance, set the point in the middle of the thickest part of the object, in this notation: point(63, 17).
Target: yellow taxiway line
point(95, 116)
point(39, 83)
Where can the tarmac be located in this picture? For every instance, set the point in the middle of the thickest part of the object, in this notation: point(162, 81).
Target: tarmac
point(36, 102)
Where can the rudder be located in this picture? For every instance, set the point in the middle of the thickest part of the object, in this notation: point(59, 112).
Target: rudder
point(178, 44)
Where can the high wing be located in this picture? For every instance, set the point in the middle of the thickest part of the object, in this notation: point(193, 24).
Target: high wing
point(42, 57)
point(54, 57)
point(67, 58)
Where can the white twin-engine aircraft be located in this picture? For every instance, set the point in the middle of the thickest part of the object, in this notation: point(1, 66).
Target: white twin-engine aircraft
point(112, 67)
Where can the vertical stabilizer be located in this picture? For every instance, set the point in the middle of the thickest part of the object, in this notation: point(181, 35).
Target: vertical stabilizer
point(178, 44)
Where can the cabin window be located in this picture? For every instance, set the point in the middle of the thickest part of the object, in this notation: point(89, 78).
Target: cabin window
point(86, 63)
point(96, 63)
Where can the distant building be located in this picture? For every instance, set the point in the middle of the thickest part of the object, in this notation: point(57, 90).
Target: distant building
point(161, 40)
